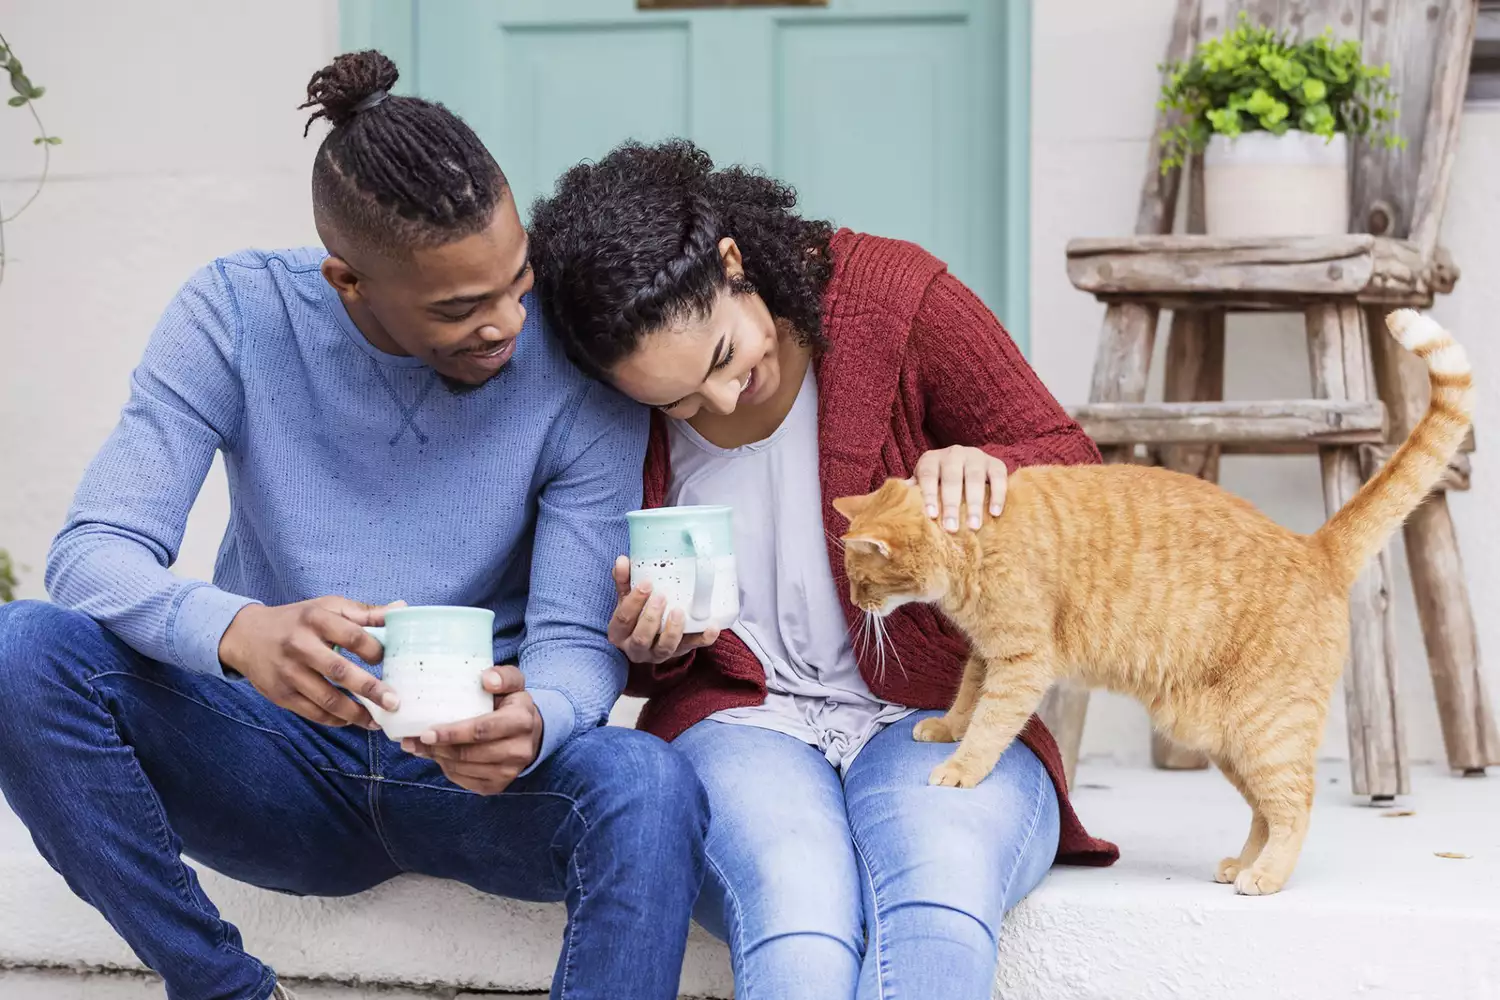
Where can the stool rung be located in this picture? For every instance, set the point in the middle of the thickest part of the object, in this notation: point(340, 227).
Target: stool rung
point(1314, 421)
point(1209, 271)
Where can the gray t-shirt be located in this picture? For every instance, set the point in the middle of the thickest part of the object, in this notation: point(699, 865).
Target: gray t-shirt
point(790, 615)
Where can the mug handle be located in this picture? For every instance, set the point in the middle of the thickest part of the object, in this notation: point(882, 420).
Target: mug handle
point(703, 574)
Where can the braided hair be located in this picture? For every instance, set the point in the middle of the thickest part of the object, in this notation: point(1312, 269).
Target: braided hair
point(395, 174)
point(630, 244)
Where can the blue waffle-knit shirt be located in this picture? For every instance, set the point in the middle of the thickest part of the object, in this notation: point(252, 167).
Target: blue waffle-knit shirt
point(357, 473)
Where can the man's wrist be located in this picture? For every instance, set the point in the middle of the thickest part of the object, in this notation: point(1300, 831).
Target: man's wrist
point(233, 644)
point(203, 615)
point(557, 716)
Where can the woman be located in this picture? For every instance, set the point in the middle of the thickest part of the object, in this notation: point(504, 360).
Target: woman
point(790, 364)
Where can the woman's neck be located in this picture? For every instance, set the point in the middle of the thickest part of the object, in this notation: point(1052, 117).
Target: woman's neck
point(749, 424)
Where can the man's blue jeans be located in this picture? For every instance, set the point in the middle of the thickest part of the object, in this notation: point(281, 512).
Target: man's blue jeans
point(118, 765)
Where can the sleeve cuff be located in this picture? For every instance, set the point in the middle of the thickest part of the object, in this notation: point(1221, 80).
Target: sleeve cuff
point(558, 719)
point(201, 621)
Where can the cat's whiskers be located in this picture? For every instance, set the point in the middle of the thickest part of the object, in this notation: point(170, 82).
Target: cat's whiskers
point(878, 637)
point(864, 636)
point(873, 630)
point(856, 637)
point(897, 654)
point(882, 643)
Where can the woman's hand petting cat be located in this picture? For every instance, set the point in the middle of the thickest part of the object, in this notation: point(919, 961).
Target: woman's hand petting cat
point(636, 626)
point(952, 477)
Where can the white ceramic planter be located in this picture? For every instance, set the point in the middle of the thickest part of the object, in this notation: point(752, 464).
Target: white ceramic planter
point(1259, 184)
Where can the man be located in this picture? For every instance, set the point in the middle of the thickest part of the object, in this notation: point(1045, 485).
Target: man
point(396, 426)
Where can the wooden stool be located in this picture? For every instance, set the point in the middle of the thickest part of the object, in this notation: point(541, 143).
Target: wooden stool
point(1343, 285)
point(1368, 392)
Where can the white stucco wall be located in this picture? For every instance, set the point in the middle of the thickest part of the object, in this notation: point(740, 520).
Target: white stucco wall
point(182, 142)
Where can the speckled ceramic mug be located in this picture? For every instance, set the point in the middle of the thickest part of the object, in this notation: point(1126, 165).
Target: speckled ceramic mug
point(435, 658)
point(688, 555)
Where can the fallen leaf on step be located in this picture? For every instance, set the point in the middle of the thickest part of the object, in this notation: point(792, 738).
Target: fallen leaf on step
point(1450, 854)
point(1391, 813)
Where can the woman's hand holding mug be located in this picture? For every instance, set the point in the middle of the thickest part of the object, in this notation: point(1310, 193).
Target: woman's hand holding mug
point(636, 627)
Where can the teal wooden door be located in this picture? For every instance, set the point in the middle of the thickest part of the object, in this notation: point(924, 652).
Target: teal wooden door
point(898, 117)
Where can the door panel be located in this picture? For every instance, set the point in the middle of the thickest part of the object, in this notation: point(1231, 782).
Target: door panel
point(888, 116)
point(572, 93)
point(869, 125)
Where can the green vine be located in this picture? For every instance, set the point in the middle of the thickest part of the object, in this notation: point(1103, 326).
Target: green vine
point(1253, 79)
point(26, 93)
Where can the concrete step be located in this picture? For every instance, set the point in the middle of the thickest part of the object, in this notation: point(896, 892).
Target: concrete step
point(61, 984)
point(1372, 912)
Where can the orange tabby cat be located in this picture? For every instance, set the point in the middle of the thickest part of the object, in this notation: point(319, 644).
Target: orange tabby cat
point(1231, 629)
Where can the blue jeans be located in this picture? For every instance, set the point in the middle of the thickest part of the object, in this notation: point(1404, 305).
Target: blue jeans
point(877, 886)
point(118, 765)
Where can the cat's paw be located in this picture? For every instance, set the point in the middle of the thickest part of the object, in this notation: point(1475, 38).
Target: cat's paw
point(1229, 869)
point(934, 730)
point(952, 773)
point(1257, 882)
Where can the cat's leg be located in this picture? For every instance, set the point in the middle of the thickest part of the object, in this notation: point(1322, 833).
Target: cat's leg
point(1229, 868)
point(950, 728)
point(1010, 691)
point(1279, 773)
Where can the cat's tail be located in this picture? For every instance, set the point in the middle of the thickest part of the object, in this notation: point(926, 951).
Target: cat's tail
point(1362, 526)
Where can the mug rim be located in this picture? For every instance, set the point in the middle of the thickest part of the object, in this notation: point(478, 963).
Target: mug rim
point(660, 512)
point(446, 609)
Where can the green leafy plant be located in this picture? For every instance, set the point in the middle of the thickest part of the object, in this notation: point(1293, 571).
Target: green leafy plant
point(26, 94)
point(7, 578)
point(1255, 79)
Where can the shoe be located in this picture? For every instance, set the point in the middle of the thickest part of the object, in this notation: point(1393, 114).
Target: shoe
point(282, 993)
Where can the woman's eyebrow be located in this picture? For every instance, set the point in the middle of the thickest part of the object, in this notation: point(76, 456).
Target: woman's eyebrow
point(713, 362)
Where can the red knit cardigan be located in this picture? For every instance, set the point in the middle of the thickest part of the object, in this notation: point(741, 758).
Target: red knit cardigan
point(914, 362)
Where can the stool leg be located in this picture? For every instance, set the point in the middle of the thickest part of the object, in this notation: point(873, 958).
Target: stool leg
point(1063, 711)
point(1338, 345)
point(1195, 373)
point(1120, 368)
point(1437, 577)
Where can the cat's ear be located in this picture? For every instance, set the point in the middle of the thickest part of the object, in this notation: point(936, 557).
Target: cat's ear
point(869, 545)
point(851, 507)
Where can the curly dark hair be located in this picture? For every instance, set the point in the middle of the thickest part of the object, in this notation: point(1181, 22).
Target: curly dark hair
point(395, 173)
point(629, 244)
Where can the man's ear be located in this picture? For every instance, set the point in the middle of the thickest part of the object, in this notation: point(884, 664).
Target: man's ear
point(338, 273)
point(851, 507)
point(869, 545)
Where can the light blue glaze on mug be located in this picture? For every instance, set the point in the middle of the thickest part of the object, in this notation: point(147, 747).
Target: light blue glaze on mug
point(456, 631)
point(467, 633)
point(666, 532)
